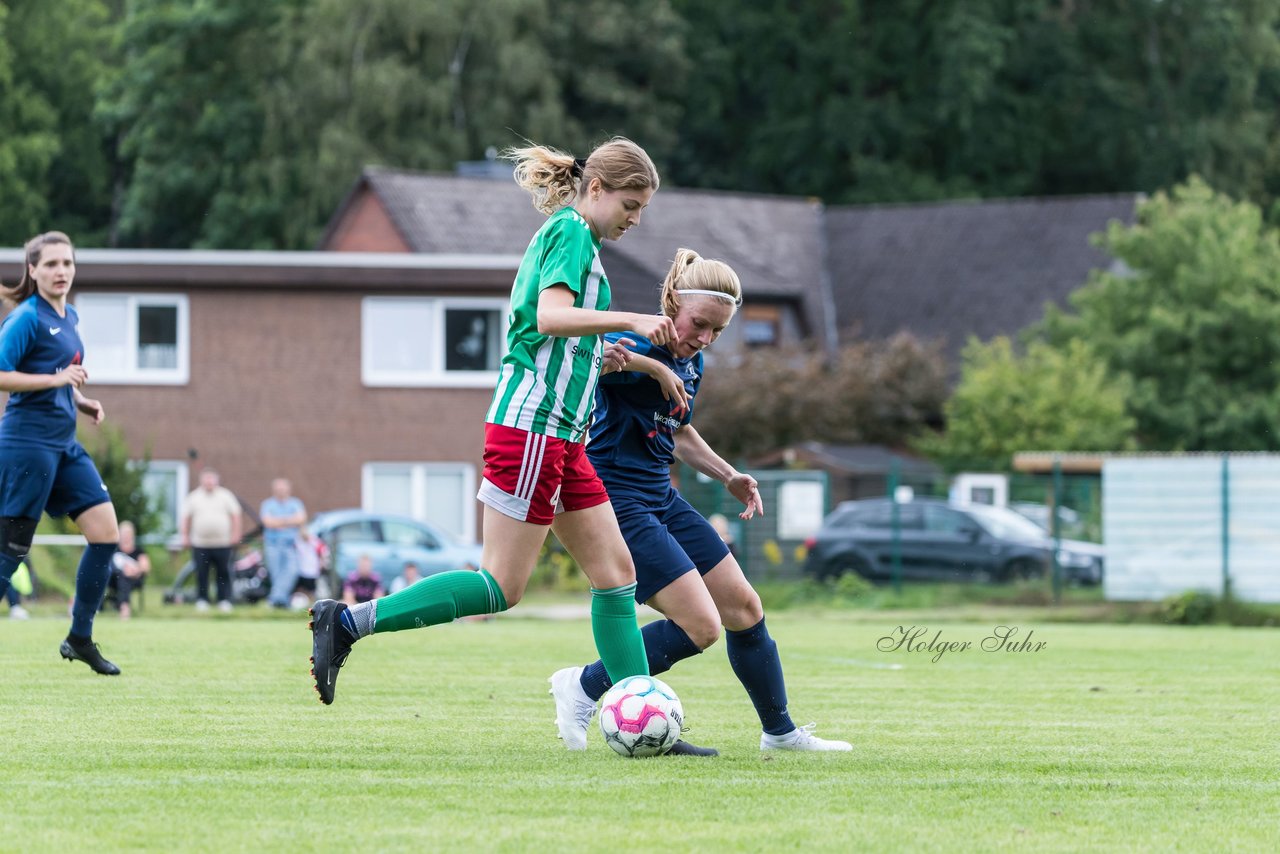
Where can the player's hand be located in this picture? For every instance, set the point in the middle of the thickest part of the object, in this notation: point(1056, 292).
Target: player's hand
point(745, 488)
point(72, 375)
point(92, 408)
point(617, 356)
point(658, 329)
point(673, 390)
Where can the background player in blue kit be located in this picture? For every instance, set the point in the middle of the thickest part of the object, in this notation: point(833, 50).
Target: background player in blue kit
point(683, 568)
point(42, 466)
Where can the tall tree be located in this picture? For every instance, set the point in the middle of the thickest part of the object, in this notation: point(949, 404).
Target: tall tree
point(883, 392)
point(78, 182)
point(1192, 319)
point(1043, 399)
point(187, 107)
point(28, 142)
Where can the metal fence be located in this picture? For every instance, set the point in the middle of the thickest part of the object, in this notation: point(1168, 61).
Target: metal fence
point(771, 546)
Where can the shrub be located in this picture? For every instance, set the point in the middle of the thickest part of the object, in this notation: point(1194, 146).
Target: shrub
point(1191, 608)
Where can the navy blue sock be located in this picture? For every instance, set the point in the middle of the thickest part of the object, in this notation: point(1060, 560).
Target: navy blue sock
point(754, 658)
point(91, 586)
point(8, 566)
point(665, 643)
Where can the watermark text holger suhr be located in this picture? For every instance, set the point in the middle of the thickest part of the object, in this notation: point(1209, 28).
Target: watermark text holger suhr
point(918, 639)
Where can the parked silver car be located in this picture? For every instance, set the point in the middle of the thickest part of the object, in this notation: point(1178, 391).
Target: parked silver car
point(390, 541)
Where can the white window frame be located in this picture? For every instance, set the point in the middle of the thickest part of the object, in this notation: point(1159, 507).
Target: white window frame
point(132, 374)
point(418, 488)
point(182, 485)
point(434, 375)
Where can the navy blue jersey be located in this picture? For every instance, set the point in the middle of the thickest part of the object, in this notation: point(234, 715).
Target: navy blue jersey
point(632, 442)
point(35, 340)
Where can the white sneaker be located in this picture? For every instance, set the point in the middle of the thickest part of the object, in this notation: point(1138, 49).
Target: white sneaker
point(224, 606)
point(801, 738)
point(202, 605)
point(574, 709)
point(17, 612)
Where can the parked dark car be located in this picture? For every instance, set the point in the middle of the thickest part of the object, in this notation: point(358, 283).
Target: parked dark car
point(943, 542)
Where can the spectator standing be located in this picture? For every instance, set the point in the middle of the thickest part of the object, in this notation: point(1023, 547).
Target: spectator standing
point(362, 585)
point(311, 553)
point(211, 525)
point(282, 516)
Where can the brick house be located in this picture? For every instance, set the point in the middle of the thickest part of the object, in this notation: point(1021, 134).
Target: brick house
point(362, 371)
point(309, 365)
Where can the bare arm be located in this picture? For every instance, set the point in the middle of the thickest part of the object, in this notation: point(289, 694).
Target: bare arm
point(672, 386)
point(90, 407)
point(558, 317)
point(237, 527)
point(12, 381)
point(692, 449)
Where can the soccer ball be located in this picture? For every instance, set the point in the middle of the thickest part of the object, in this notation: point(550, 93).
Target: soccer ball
point(641, 716)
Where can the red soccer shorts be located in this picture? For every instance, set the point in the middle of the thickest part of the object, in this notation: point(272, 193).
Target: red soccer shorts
point(532, 477)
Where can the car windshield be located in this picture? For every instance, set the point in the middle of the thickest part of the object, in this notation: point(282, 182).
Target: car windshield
point(1006, 524)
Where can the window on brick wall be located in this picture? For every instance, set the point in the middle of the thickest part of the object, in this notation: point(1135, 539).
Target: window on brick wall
point(136, 339)
point(414, 342)
point(443, 494)
point(165, 481)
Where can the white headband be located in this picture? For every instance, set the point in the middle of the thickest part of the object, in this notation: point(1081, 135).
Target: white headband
point(721, 294)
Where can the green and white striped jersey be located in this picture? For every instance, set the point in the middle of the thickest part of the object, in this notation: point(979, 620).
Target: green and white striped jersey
point(547, 385)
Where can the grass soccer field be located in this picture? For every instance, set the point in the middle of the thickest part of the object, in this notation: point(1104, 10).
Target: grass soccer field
point(1113, 737)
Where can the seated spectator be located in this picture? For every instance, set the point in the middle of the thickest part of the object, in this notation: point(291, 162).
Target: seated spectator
point(129, 568)
point(311, 553)
point(362, 585)
point(408, 576)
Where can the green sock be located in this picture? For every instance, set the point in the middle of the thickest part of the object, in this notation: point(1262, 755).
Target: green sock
point(618, 638)
point(437, 599)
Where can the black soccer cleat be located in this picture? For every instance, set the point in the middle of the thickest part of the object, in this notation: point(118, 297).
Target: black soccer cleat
point(684, 748)
point(330, 646)
point(89, 653)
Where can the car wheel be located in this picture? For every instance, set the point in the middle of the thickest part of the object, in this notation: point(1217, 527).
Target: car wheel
point(1023, 569)
point(845, 564)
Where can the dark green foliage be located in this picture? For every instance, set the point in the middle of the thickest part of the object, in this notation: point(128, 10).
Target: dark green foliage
point(241, 123)
point(873, 392)
point(123, 475)
point(1191, 321)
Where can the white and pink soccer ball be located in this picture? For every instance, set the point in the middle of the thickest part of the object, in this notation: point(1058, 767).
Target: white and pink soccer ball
point(641, 716)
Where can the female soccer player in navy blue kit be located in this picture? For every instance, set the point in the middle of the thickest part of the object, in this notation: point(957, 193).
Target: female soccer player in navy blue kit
point(683, 568)
point(42, 466)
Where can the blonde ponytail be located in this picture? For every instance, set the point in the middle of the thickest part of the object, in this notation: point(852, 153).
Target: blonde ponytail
point(692, 273)
point(555, 179)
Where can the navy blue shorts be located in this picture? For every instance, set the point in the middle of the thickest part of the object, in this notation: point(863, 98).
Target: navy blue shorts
point(39, 480)
point(666, 538)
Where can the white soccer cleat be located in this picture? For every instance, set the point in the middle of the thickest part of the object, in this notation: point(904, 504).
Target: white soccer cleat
point(801, 738)
point(574, 709)
point(17, 612)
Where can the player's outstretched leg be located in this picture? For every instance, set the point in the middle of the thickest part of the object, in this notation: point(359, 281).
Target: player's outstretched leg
point(330, 646)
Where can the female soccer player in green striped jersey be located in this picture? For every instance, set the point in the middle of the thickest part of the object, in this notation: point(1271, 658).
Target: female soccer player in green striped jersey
point(536, 473)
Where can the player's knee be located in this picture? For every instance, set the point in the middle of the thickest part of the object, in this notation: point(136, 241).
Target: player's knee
point(703, 630)
point(16, 535)
point(745, 612)
point(512, 596)
point(752, 609)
